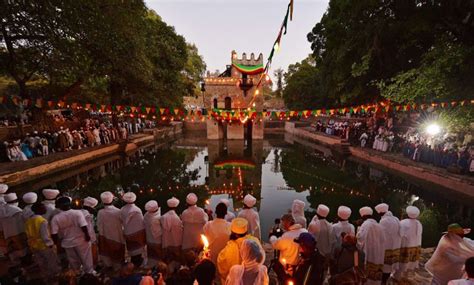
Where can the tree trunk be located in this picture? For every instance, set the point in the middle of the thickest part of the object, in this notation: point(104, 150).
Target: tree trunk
point(115, 90)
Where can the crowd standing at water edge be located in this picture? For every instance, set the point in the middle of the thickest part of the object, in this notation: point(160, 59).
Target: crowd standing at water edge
point(122, 246)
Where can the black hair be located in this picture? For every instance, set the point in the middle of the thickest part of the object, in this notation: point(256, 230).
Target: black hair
point(469, 267)
point(234, 236)
point(38, 208)
point(205, 272)
point(221, 210)
point(277, 221)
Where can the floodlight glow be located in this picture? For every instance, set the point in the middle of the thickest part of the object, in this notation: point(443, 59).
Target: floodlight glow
point(433, 129)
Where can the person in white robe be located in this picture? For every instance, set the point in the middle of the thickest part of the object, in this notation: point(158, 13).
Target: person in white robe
point(251, 270)
point(343, 227)
point(153, 232)
point(297, 210)
point(89, 205)
point(29, 199)
point(111, 240)
point(392, 240)
point(230, 215)
point(251, 215)
point(194, 218)
point(172, 228)
point(289, 257)
point(49, 201)
point(133, 228)
point(448, 260)
point(469, 279)
point(3, 243)
point(411, 232)
point(322, 231)
point(217, 232)
point(13, 228)
point(370, 239)
point(69, 228)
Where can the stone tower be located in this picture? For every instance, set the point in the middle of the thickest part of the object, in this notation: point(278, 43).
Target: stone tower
point(236, 90)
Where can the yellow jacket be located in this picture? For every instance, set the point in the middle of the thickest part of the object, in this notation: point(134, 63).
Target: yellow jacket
point(33, 229)
point(230, 256)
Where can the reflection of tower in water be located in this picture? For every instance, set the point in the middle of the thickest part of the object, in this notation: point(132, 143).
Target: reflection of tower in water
point(235, 168)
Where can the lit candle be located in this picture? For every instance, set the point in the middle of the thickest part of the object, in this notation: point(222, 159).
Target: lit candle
point(205, 251)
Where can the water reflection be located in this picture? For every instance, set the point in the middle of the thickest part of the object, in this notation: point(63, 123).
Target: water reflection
point(273, 171)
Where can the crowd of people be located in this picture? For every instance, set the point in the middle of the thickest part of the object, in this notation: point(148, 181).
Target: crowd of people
point(93, 133)
point(445, 150)
point(169, 247)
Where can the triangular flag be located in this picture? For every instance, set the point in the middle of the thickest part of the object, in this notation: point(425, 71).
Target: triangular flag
point(147, 110)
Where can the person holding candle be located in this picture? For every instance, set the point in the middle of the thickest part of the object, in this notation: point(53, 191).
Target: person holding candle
point(109, 226)
point(251, 215)
point(289, 249)
point(230, 254)
point(217, 231)
point(194, 218)
point(133, 228)
point(153, 232)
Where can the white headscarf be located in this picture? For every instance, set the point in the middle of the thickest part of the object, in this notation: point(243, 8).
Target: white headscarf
point(253, 257)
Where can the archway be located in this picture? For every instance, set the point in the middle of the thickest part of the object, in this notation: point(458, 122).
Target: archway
point(215, 103)
point(228, 103)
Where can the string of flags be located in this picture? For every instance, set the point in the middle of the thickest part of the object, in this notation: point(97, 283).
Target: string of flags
point(155, 112)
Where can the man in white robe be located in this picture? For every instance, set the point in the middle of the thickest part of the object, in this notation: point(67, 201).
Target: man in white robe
point(89, 205)
point(343, 227)
point(49, 201)
point(251, 215)
point(322, 231)
point(29, 198)
point(194, 218)
point(111, 239)
point(13, 228)
point(217, 232)
point(153, 232)
point(69, 228)
point(448, 260)
point(230, 215)
point(297, 210)
point(392, 240)
point(410, 248)
point(172, 228)
point(370, 239)
point(133, 228)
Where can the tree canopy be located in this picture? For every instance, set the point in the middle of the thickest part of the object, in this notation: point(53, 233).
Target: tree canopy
point(97, 51)
point(405, 51)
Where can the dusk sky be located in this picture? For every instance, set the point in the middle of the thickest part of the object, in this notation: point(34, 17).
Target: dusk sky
point(219, 26)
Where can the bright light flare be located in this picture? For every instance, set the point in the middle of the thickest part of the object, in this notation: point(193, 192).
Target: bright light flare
point(433, 129)
point(205, 241)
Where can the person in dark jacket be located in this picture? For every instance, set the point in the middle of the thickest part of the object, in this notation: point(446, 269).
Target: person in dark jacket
point(343, 256)
point(310, 269)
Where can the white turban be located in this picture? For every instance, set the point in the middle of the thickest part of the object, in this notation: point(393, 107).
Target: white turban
point(3, 188)
point(191, 199)
point(129, 197)
point(90, 202)
point(381, 208)
point(151, 206)
point(50, 194)
point(10, 197)
point(365, 211)
point(344, 212)
point(30, 198)
point(107, 197)
point(322, 210)
point(297, 209)
point(249, 200)
point(173, 202)
point(413, 212)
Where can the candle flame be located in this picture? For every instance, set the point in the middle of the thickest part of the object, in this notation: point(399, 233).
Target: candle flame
point(205, 241)
point(290, 282)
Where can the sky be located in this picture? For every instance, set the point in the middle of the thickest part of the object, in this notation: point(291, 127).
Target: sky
point(219, 26)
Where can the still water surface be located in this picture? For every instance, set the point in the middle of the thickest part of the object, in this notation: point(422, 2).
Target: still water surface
point(275, 171)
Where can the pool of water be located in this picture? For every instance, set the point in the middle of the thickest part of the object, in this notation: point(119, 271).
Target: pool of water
point(275, 171)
